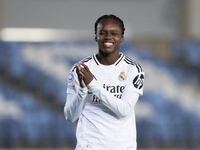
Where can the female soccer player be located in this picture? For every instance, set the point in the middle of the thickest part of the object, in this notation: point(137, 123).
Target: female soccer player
point(103, 90)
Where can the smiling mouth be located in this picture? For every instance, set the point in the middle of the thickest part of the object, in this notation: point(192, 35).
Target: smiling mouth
point(108, 44)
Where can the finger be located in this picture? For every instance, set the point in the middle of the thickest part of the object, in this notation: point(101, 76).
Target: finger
point(78, 66)
point(81, 74)
point(85, 66)
point(77, 69)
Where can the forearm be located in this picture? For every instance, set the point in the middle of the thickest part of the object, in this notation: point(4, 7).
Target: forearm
point(74, 104)
point(121, 107)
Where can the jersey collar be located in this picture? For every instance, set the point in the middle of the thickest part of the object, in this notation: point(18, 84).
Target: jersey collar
point(121, 56)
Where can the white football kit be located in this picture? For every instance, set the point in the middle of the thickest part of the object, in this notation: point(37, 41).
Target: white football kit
point(105, 108)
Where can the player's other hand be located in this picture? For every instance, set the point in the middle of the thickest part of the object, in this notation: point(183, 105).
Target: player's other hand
point(80, 75)
point(87, 75)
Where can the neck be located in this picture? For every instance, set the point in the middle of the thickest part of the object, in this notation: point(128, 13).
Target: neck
point(107, 58)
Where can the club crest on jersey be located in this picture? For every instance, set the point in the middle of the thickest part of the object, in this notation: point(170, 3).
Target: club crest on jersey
point(122, 76)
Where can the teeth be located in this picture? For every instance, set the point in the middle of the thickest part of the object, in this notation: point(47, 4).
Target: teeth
point(109, 44)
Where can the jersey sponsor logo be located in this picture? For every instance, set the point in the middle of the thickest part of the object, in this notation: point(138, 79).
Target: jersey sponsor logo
point(89, 92)
point(138, 81)
point(114, 89)
point(122, 76)
point(71, 77)
point(95, 99)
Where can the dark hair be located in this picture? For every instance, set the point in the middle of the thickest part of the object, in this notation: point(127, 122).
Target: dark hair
point(121, 23)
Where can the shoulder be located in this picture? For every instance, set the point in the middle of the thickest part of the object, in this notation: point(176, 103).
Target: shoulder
point(87, 60)
point(132, 64)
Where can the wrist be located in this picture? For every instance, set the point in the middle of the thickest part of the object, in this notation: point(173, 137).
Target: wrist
point(92, 84)
point(82, 92)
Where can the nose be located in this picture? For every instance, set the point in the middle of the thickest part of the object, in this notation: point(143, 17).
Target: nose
point(108, 36)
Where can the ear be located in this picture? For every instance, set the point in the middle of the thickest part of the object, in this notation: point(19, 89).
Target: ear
point(95, 38)
point(122, 39)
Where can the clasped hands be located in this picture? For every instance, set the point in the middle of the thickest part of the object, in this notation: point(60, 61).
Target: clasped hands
point(84, 74)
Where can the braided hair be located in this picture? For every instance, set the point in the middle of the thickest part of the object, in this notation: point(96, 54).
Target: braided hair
point(121, 23)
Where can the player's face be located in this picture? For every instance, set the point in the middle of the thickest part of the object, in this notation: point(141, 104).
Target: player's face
point(109, 36)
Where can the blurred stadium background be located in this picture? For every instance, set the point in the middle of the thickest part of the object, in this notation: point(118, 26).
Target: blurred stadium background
point(40, 40)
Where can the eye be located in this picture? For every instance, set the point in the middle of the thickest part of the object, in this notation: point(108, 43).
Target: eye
point(114, 33)
point(101, 33)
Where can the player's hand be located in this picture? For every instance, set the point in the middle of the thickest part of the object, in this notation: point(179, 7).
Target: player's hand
point(87, 75)
point(80, 75)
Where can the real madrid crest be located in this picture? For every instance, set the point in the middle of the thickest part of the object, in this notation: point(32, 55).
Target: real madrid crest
point(122, 76)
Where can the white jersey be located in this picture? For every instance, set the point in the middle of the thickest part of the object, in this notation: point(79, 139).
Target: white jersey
point(106, 114)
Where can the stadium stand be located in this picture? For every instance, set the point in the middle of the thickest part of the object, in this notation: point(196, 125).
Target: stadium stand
point(33, 81)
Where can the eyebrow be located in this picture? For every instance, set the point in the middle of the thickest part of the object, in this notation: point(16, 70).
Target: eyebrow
point(109, 30)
